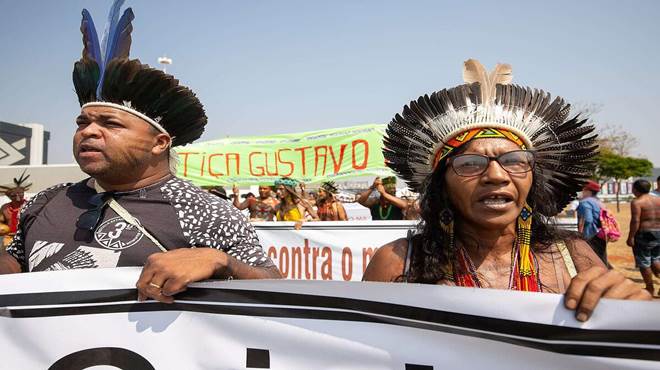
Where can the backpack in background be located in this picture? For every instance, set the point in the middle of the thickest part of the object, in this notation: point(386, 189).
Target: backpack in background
point(609, 228)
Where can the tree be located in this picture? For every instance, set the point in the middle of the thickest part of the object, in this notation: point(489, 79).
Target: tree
point(617, 140)
point(616, 144)
point(619, 167)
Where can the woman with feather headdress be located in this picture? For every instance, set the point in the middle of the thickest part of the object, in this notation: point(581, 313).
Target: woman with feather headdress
point(329, 208)
point(493, 163)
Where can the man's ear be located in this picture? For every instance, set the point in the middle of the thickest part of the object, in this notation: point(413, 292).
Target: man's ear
point(161, 144)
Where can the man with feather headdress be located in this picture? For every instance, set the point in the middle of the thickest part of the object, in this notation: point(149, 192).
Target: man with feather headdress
point(9, 211)
point(133, 208)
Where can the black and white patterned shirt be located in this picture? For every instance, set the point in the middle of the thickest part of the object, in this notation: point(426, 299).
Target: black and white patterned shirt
point(175, 212)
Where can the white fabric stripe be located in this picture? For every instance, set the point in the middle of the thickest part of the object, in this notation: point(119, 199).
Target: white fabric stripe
point(129, 110)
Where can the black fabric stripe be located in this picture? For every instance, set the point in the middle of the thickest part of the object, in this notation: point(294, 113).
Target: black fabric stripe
point(74, 297)
point(502, 326)
point(579, 349)
point(256, 358)
point(418, 367)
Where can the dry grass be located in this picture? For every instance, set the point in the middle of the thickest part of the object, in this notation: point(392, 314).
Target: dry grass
point(619, 254)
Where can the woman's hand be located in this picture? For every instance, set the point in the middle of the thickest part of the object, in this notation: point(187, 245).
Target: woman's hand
point(589, 286)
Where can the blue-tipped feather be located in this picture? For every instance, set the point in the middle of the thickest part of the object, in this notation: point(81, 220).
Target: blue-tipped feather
point(92, 48)
point(113, 18)
point(106, 43)
point(119, 43)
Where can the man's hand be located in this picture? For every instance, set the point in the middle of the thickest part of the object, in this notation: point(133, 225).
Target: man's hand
point(630, 242)
point(235, 190)
point(589, 286)
point(8, 264)
point(166, 274)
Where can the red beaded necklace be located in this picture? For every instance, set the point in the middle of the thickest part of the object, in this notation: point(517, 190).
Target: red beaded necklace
point(465, 274)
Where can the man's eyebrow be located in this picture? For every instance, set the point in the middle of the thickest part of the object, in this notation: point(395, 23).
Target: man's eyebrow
point(107, 115)
point(103, 116)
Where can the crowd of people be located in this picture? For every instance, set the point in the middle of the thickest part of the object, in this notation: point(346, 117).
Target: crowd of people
point(492, 162)
point(289, 200)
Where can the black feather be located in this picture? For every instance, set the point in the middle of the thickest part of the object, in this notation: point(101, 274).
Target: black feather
point(157, 95)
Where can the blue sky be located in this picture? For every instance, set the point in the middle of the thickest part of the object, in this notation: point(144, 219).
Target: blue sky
point(265, 67)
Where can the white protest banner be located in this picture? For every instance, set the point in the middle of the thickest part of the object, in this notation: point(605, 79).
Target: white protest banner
point(327, 250)
point(332, 250)
point(82, 319)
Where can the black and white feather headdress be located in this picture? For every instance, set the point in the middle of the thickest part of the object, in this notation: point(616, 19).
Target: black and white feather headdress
point(564, 148)
point(104, 76)
point(19, 183)
point(330, 187)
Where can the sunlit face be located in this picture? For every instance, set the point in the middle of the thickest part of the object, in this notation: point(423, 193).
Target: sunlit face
point(494, 199)
point(16, 195)
point(112, 143)
point(322, 194)
point(281, 191)
point(264, 191)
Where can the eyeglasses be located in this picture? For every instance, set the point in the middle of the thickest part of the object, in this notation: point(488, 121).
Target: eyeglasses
point(90, 218)
point(515, 162)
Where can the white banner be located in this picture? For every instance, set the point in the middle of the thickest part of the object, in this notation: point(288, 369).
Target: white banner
point(337, 250)
point(333, 250)
point(80, 319)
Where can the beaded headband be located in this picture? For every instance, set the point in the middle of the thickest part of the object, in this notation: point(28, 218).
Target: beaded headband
point(419, 139)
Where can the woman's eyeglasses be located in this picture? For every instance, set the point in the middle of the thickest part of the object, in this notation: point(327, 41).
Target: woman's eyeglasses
point(515, 162)
point(90, 218)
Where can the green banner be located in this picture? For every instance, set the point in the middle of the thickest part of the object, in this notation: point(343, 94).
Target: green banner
point(315, 156)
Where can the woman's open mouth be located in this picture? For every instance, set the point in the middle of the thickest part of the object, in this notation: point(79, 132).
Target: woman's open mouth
point(496, 201)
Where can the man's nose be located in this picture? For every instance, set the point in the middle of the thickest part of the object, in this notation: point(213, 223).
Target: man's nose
point(90, 130)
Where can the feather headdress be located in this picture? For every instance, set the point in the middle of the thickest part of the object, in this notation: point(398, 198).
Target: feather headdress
point(19, 183)
point(330, 187)
point(418, 139)
point(105, 76)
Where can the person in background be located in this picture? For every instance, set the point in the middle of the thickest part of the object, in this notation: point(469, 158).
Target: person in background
point(219, 192)
point(9, 211)
point(656, 192)
point(329, 208)
point(644, 236)
point(387, 206)
point(261, 208)
point(310, 196)
point(292, 207)
point(412, 212)
point(588, 213)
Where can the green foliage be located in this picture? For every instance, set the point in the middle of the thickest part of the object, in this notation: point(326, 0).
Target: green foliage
point(612, 165)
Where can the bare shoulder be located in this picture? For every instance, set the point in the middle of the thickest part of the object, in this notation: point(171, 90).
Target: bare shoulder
point(387, 263)
point(583, 255)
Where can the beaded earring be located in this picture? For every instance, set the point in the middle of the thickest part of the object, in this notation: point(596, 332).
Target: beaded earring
point(525, 278)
